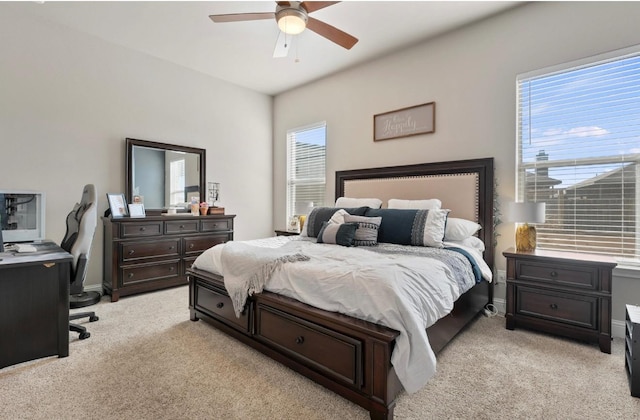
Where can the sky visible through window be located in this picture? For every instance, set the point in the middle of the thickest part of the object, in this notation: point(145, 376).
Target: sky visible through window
point(581, 114)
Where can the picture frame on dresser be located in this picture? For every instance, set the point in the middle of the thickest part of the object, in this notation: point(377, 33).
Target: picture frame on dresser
point(136, 210)
point(117, 205)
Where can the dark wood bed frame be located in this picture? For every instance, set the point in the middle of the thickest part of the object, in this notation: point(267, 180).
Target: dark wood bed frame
point(349, 356)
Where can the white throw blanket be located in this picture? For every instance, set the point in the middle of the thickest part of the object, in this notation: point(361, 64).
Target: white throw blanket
point(246, 269)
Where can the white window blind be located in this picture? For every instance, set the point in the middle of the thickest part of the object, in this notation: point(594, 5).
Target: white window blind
point(306, 167)
point(579, 152)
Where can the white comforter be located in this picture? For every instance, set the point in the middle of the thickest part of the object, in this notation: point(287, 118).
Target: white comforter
point(406, 293)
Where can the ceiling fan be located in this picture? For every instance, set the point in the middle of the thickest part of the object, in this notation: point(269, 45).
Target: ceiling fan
point(293, 18)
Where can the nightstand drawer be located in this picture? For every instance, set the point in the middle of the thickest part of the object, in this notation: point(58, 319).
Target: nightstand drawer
point(579, 310)
point(578, 277)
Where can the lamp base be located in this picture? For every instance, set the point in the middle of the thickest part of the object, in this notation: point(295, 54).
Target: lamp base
point(525, 238)
point(302, 218)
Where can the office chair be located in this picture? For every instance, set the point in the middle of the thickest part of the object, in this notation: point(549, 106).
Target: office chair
point(81, 227)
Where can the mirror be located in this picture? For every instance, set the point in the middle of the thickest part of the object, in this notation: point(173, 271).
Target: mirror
point(163, 175)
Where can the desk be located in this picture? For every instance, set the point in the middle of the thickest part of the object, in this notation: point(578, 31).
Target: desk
point(34, 304)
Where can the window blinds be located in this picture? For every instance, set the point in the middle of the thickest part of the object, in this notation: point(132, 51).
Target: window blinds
point(306, 167)
point(578, 150)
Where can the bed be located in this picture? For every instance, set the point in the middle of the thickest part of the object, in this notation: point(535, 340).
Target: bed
point(346, 354)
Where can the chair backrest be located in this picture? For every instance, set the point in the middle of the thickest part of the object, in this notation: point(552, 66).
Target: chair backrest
point(81, 227)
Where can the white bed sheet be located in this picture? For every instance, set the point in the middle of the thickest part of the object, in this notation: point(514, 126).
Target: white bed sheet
point(370, 286)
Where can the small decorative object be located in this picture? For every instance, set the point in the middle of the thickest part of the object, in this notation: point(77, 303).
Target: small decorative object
point(136, 210)
point(294, 224)
point(213, 193)
point(405, 122)
point(195, 207)
point(204, 208)
point(525, 213)
point(117, 205)
point(216, 210)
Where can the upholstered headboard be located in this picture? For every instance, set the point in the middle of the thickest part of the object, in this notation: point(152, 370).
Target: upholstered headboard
point(465, 187)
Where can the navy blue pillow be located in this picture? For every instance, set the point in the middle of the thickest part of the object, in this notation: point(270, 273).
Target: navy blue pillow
point(318, 215)
point(411, 227)
point(396, 225)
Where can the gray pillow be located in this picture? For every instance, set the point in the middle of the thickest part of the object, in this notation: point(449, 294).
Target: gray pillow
point(367, 232)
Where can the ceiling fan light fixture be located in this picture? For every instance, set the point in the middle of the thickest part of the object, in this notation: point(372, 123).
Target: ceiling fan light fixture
point(291, 21)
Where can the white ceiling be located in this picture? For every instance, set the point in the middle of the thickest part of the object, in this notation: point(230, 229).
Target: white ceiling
point(242, 52)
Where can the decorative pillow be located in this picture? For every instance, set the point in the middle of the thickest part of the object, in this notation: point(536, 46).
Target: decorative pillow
point(338, 216)
point(474, 242)
point(367, 232)
point(460, 229)
point(430, 204)
point(411, 227)
point(313, 224)
point(374, 203)
point(341, 234)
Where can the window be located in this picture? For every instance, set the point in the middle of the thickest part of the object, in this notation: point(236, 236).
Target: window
point(579, 152)
point(177, 181)
point(306, 167)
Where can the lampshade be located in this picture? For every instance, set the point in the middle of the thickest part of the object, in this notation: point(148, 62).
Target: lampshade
point(526, 212)
point(303, 207)
point(291, 21)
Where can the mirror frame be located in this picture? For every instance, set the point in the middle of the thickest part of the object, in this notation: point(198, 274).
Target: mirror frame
point(130, 143)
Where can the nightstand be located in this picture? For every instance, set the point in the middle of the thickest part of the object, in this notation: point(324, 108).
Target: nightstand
point(562, 293)
point(285, 233)
point(632, 348)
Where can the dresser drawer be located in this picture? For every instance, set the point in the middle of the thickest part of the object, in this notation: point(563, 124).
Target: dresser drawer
point(150, 272)
point(198, 244)
point(325, 350)
point(220, 306)
point(216, 225)
point(183, 226)
point(574, 309)
point(573, 276)
point(132, 230)
point(132, 251)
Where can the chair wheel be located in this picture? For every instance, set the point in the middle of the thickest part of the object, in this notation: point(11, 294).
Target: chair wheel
point(93, 318)
point(84, 335)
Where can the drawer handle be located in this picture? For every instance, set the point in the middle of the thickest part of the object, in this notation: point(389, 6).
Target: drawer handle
point(553, 274)
point(191, 246)
point(171, 268)
point(130, 275)
point(299, 339)
point(171, 247)
point(181, 226)
point(131, 252)
point(142, 229)
point(220, 305)
point(553, 306)
point(215, 225)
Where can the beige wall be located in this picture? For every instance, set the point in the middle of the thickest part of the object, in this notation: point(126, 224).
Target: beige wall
point(470, 73)
point(68, 100)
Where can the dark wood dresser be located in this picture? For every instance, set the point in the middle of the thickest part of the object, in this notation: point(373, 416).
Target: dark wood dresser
point(151, 253)
point(561, 293)
point(632, 348)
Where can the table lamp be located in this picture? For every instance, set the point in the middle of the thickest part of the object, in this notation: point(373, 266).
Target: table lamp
point(523, 214)
point(303, 208)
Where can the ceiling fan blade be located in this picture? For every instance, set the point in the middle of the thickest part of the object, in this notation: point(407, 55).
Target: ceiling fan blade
point(312, 6)
point(331, 33)
point(237, 17)
point(282, 45)
point(283, 3)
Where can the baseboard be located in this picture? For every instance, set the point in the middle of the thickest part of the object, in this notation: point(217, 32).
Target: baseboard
point(617, 326)
point(94, 288)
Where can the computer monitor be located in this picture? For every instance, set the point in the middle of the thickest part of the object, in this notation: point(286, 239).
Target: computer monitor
point(22, 216)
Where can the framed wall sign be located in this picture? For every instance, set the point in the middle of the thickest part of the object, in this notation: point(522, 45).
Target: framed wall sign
point(405, 122)
point(117, 205)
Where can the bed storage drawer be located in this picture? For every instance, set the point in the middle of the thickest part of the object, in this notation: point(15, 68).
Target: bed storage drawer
point(328, 351)
point(219, 305)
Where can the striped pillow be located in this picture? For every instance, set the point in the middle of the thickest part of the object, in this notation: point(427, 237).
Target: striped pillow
point(367, 232)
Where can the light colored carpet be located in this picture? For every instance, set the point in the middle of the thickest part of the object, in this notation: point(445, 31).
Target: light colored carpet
point(146, 360)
